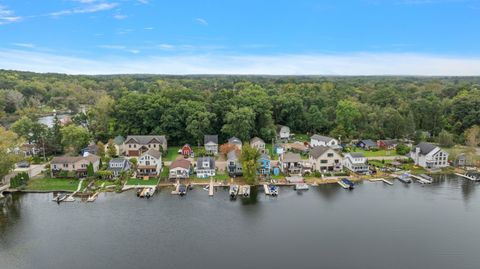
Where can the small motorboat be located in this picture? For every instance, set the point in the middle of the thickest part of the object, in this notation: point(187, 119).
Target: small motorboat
point(405, 178)
point(182, 190)
point(273, 190)
point(349, 183)
point(139, 191)
point(149, 192)
point(300, 186)
point(233, 191)
point(245, 191)
point(206, 188)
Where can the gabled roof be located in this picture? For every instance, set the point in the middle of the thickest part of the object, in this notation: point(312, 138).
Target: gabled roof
point(369, 142)
point(318, 151)
point(232, 155)
point(389, 142)
point(291, 157)
point(325, 139)
point(280, 127)
point(118, 140)
point(154, 153)
point(182, 163)
point(264, 157)
point(256, 140)
point(201, 160)
point(146, 139)
point(357, 155)
point(234, 140)
point(73, 159)
point(118, 160)
point(425, 147)
point(210, 138)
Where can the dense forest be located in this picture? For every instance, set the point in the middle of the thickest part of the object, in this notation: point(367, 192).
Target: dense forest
point(186, 107)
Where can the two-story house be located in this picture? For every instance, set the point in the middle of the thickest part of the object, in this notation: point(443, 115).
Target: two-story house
point(234, 166)
point(236, 142)
point(180, 169)
point(150, 163)
point(283, 132)
point(258, 144)
point(205, 167)
point(119, 165)
point(292, 164)
point(211, 144)
point(429, 156)
point(325, 159)
point(77, 164)
point(320, 140)
point(136, 145)
point(264, 165)
point(356, 162)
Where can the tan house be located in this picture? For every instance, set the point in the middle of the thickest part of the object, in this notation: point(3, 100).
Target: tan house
point(77, 164)
point(136, 145)
point(258, 143)
point(325, 159)
point(180, 169)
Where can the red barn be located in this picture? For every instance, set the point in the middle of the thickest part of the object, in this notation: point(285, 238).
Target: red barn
point(187, 150)
point(390, 144)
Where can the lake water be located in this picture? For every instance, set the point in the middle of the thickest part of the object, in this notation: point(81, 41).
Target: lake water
point(373, 226)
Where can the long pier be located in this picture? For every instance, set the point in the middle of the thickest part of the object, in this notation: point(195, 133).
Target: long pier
point(388, 182)
point(422, 179)
point(267, 189)
point(210, 188)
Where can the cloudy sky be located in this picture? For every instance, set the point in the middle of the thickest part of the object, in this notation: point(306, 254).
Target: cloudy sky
point(356, 37)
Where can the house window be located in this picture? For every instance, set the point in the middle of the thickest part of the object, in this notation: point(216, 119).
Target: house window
point(129, 146)
point(154, 145)
point(330, 155)
point(323, 161)
point(147, 162)
point(65, 165)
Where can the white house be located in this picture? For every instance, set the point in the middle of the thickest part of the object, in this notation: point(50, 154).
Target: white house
point(150, 163)
point(356, 162)
point(320, 140)
point(325, 159)
point(429, 156)
point(179, 169)
point(258, 143)
point(283, 132)
point(205, 167)
point(211, 144)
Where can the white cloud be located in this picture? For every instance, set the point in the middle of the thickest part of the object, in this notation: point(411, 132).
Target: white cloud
point(201, 21)
point(24, 45)
point(120, 16)
point(120, 47)
point(7, 16)
point(316, 64)
point(145, 2)
point(148, 28)
point(90, 7)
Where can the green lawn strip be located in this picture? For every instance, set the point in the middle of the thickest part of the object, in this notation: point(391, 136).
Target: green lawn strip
point(221, 176)
point(378, 153)
point(135, 181)
point(414, 169)
point(52, 184)
point(172, 153)
point(273, 156)
point(301, 137)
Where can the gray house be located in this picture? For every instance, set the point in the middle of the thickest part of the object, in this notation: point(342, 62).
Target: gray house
point(205, 167)
point(119, 165)
point(234, 166)
point(211, 144)
point(283, 132)
point(235, 141)
point(258, 143)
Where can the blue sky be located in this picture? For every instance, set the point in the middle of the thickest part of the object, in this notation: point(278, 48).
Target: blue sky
point(357, 37)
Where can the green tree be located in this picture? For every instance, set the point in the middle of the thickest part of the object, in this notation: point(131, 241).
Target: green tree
point(100, 149)
point(90, 170)
point(111, 149)
point(347, 115)
point(100, 122)
point(29, 130)
point(74, 138)
point(8, 142)
point(239, 122)
point(249, 159)
point(402, 149)
point(445, 139)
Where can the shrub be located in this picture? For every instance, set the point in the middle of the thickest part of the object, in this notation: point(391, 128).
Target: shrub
point(19, 180)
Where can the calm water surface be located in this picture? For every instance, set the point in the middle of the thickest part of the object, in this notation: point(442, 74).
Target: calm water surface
point(373, 226)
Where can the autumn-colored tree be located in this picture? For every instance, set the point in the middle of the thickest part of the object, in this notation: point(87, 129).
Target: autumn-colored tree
point(100, 149)
point(111, 149)
point(227, 147)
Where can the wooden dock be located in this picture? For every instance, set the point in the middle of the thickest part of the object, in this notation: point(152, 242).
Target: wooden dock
point(93, 197)
point(266, 189)
point(422, 180)
point(210, 188)
point(388, 182)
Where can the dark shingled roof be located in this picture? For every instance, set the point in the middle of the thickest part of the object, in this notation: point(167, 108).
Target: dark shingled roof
point(210, 138)
point(256, 139)
point(202, 159)
point(72, 159)
point(292, 157)
point(318, 151)
point(425, 147)
point(369, 143)
point(357, 155)
point(146, 139)
point(325, 139)
point(235, 141)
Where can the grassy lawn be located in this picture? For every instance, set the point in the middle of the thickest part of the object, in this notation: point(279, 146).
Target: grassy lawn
point(379, 163)
point(414, 169)
point(221, 176)
point(165, 172)
point(135, 181)
point(172, 153)
point(378, 153)
point(273, 156)
point(301, 137)
point(52, 184)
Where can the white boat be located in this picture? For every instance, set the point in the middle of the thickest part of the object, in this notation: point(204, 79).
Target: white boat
point(301, 186)
point(245, 191)
point(206, 188)
point(405, 178)
point(233, 191)
point(59, 198)
point(149, 192)
point(273, 190)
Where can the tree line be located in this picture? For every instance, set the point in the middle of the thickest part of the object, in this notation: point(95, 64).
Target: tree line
point(186, 107)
